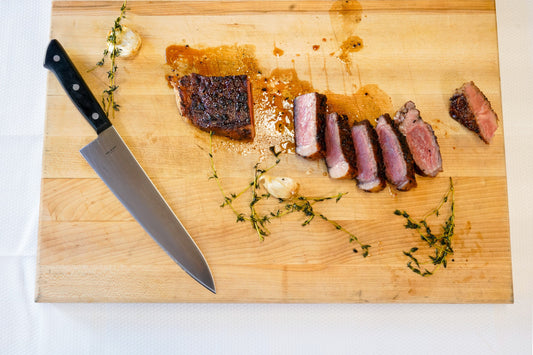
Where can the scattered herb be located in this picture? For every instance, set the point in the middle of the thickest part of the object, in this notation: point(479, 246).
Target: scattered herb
point(440, 243)
point(108, 95)
point(297, 203)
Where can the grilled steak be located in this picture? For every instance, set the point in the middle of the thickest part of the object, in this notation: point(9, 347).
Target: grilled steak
point(340, 152)
point(309, 125)
point(219, 104)
point(472, 109)
point(421, 140)
point(397, 158)
point(369, 163)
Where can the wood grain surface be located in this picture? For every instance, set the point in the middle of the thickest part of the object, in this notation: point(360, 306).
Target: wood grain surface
point(91, 249)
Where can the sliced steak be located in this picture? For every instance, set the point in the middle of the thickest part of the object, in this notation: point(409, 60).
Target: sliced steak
point(309, 125)
point(421, 140)
point(370, 171)
point(470, 107)
point(219, 104)
point(340, 152)
point(397, 158)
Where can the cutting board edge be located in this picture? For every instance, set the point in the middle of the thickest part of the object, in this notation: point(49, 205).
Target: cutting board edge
point(41, 295)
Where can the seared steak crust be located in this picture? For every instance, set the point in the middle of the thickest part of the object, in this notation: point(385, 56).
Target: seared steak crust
point(460, 112)
point(219, 104)
point(470, 107)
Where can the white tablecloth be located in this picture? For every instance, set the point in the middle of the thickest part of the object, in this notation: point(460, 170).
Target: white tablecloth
point(30, 328)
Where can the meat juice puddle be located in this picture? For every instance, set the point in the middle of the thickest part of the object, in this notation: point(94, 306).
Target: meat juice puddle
point(273, 94)
point(367, 103)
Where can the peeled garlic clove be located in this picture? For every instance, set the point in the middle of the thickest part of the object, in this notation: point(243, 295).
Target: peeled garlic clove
point(279, 187)
point(128, 42)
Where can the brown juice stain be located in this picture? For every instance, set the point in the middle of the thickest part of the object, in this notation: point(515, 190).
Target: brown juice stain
point(278, 52)
point(368, 102)
point(372, 103)
point(468, 228)
point(345, 15)
point(221, 60)
point(350, 45)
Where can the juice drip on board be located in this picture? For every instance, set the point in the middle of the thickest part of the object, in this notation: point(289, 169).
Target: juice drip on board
point(273, 93)
point(345, 15)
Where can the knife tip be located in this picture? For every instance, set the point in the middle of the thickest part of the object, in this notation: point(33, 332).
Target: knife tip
point(210, 286)
point(207, 282)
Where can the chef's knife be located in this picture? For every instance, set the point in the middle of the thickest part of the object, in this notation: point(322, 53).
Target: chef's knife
point(109, 156)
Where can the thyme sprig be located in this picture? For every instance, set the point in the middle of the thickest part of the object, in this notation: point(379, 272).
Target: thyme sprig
point(297, 203)
point(112, 51)
point(441, 243)
point(258, 221)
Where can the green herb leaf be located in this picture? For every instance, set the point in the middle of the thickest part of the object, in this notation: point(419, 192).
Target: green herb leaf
point(440, 243)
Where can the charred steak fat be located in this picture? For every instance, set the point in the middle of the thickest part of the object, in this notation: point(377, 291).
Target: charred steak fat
point(470, 107)
point(397, 158)
point(219, 104)
point(309, 125)
point(421, 140)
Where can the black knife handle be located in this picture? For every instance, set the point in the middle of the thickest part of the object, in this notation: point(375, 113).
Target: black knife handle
point(58, 61)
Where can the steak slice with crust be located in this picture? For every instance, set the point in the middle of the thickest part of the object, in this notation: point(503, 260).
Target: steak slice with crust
point(399, 168)
point(340, 152)
point(470, 107)
point(309, 125)
point(370, 171)
point(421, 140)
point(219, 104)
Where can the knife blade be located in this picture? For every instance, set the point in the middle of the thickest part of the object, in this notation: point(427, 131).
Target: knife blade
point(114, 163)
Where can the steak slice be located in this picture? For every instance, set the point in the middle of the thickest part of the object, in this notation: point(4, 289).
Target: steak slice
point(340, 152)
point(421, 140)
point(397, 158)
point(219, 104)
point(370, 176)
point(470, 107)
point(309, 125)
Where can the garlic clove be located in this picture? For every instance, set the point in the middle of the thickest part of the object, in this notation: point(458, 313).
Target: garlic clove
point(279, 187)
point(128, 42)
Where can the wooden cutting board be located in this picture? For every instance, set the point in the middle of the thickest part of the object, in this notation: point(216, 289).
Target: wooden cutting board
point(90, 248)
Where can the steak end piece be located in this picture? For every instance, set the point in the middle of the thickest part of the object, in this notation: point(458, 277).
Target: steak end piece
point(370, 171)
point(470, 107)
point(219, 104)
point(421, 140)
point(340, 152)
point(397, 159)
point(309, 125)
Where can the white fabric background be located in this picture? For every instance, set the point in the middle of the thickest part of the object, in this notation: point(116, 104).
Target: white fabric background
point(30, 328)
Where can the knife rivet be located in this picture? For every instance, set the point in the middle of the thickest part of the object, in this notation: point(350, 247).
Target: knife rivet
point(56, 58)
point(75, 87)
point(95, 116)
